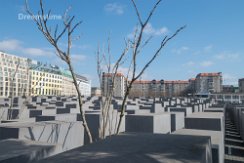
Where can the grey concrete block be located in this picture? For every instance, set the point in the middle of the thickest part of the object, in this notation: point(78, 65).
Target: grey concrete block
point(177, 121)
point(217, 141)
point(94, 119)
point(66, 134)
point(25, 151)
point(205, 121)
point(186, 110)
point(141, 148)
point(148, 123)
point(62, 110)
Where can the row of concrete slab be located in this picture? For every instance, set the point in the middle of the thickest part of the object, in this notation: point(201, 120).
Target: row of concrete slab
point(53, 125)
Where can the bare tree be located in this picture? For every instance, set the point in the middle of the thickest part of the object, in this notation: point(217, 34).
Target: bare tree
point(53, 38)
point(11, 89)
point(104, 59)
point(137, 46)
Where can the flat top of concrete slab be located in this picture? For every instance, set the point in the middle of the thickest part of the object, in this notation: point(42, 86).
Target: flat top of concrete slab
point(179, 113)
point(215, 108)
point(134, 147)
point(206, 115)
point(30, 124)
point(215, 135)
point(13, 148)
point(149, 114)
point(172, 107)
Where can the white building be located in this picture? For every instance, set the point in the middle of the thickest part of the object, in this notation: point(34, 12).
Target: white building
point(84, 85)
point(22, 76)
point(68, 87)
point(14, 75)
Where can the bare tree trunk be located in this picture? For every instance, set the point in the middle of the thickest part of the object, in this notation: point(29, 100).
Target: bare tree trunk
point(137, 47)
point(80, 103)
point(64, 55)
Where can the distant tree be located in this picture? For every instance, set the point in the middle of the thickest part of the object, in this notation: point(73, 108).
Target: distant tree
point(104, 65)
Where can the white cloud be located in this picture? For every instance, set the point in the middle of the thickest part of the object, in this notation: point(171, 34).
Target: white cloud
point(150, 30)
point(190, 63)
point(230, 79)
point(16, 46)
point(181, 50)
point(114, 8)
point(208, 48)
point(8, 45)
point(78, 57)
point(36, 52)
point(227, 56)
point(206, 63)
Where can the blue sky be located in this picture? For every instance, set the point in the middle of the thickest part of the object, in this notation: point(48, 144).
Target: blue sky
point(212, 42)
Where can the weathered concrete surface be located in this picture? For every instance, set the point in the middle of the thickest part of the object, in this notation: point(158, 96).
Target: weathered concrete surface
point(205, 121)
point(94, 119)
point(177, 121)
point(186, 110)
point(148, 123)
point(217, 141)
point(18, 151)
point(69, 135)
point(142, 148)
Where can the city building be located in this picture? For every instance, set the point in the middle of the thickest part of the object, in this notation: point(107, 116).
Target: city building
point(84, 85)
point(228, 97)
point(229, 89)
point(207, 83)
point(147, 88)
point(192, 86)
point(118, 87)
point(25, 77)
point(159, 88)
point(45, 79)
point(96, 91)
point(14, 75)
point(68, 87)
point(176, 88)
point(241, 85)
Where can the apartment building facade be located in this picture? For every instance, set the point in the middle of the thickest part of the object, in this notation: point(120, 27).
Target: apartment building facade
point(158, 88)
point(14, 75)
point(22, 76)
point(45, 79)
point(207, 83)
point(176, 88)
point(119, 84)
point(241, 85)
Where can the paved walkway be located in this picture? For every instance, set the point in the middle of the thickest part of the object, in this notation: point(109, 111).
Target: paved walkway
point(234, 145)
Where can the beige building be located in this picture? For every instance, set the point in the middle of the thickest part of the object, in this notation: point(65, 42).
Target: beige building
point(68, 88)
point(207, 83)
point(176, 88)
point(52, 80)
point(14, 75)
point(21, 76)
point(159, 88)
point(119, 84)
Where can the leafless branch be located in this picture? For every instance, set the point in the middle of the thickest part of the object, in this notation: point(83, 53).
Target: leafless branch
point(68, 29)
point(137, 47)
